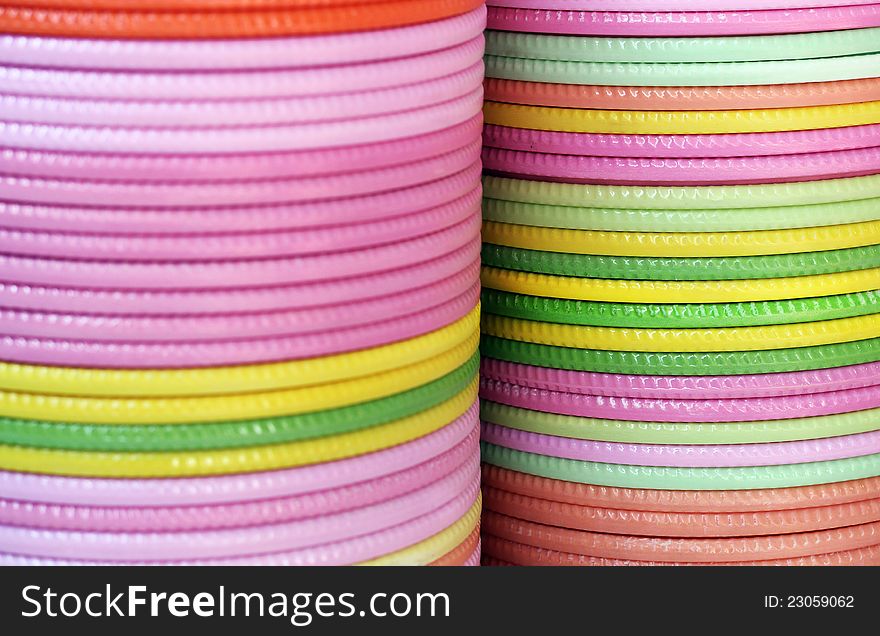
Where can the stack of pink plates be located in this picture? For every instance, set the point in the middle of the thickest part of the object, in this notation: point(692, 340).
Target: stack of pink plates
point(239, 280)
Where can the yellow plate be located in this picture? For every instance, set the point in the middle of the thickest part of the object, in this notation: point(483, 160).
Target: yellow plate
point(237, 379)
point(683, 244)
point(671, 340)
point(245, 406)
point(650, 122)
point(667, 292)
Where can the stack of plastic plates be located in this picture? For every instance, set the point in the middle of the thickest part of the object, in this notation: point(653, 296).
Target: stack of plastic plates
point(240, 281)
point(681, 330)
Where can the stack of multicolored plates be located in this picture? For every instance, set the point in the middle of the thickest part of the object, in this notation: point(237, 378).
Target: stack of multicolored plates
point(682, 283)
point(240, 281)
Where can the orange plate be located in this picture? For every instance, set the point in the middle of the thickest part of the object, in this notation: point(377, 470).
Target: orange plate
point(377, 14)
point(458, 555)
point(682, 500)
point(679, 524)
point(683, 97)
point(499, 552)
point(675, 550)
point(186, 5)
